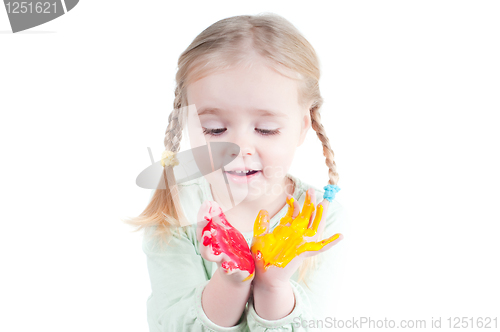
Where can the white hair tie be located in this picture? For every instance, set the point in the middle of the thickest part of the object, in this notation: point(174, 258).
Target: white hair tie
point(168, 158)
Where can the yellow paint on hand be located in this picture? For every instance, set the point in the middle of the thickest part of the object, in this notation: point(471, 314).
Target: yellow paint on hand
point(287, 239)
point(249, 277)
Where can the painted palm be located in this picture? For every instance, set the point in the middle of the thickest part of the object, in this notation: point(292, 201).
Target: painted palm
point(290, 238)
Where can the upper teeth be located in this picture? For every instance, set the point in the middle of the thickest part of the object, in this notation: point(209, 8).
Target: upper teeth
point(242, 172)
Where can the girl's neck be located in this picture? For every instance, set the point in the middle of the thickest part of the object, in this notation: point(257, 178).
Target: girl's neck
point(243, 216)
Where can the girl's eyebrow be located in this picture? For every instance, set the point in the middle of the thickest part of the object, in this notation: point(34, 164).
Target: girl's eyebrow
point(217, 111)
point(271, 113)
point(209, 110)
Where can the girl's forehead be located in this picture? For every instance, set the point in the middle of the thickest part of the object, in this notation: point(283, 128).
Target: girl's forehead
point(247, 57)
point(259, 86)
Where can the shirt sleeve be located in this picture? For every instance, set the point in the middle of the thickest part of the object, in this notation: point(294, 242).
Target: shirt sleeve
point(178, 277)
point(314, 303)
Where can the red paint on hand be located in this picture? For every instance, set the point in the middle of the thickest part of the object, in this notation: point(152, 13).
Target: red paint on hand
point(227, 239)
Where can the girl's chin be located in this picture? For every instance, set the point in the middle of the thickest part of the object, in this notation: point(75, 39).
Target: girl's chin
point(249, 189)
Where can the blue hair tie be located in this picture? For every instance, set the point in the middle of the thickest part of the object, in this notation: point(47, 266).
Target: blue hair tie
point(330, 191)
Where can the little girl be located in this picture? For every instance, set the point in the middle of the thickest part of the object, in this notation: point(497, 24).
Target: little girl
point(251, 81)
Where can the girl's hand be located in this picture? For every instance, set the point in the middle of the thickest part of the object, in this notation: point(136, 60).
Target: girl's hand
point(278, 254)
point(222, 243)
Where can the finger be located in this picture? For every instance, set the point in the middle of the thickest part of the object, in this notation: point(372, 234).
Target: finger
point(216, 214)
point(219, 217)
point(317, 247)
point(293, 210)
point(207, 229)
point(261, 224)
point(308, 207)
point(296, 208)
point(302, 220)
point(313, 214)
point(203, 218)
point(322, 222)
point(331, 243)
point(317, 219)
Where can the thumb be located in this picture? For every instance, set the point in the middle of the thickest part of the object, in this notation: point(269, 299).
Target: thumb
point(324, 213)
point(261, 225)
point(203, 218)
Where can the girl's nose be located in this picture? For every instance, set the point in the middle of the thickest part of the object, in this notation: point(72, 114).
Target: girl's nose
point(246, 147)
point(247, 151)
point(243, 151)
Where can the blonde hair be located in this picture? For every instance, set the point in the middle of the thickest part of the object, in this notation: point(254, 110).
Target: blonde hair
point(218, 47)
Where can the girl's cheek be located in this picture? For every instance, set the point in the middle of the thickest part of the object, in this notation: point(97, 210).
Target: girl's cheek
point(197, 141)
point(195, 135)
point(282, 161)
point(280, 149)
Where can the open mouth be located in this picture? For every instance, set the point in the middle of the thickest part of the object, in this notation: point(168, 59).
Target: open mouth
point(243, 173)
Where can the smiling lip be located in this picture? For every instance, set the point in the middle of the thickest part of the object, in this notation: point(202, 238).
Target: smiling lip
point(242, 178)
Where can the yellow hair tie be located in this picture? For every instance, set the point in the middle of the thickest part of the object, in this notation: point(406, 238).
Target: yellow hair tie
point(168, 158)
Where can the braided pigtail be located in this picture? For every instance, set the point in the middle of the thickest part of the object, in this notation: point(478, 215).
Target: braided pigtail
point(310, 263)
point(163, 215)
point(327, 150)
point(173, 134)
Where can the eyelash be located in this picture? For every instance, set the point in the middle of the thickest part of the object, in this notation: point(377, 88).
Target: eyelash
point(268, 132)
point(262, 132)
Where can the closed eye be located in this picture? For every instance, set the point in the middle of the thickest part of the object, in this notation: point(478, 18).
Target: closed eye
point(214, 132)
point(267, 132)
point(219, 131)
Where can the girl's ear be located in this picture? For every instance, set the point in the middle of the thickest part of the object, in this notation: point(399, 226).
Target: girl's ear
point(305, 125)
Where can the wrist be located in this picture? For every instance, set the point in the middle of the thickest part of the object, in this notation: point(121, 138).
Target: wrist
point(234, 280)
point(273, 302)
point(274, 287)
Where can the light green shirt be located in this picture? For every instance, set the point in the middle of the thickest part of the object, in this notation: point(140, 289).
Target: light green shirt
point(179, 274)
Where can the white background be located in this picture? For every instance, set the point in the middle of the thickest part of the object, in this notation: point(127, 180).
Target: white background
point(411, 108)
